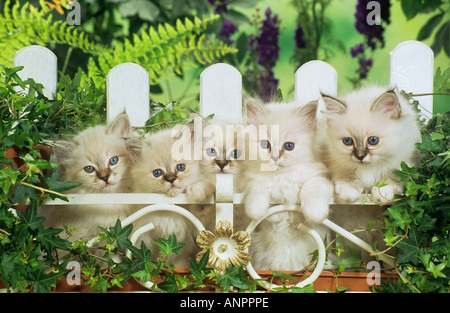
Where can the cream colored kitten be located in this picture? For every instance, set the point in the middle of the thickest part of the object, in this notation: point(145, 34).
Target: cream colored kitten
point(284, 172)
point(157, 170)
point(363, 137)
point(98, 158)
point(224, 153)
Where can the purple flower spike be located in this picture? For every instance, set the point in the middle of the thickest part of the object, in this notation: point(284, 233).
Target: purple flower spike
point(299, 37)
point(227, 30)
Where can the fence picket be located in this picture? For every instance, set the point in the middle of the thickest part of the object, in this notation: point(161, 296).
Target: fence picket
point(221, 93)
point(40, 64)
point(128, 89)
point(312, 79)
point(411, 69)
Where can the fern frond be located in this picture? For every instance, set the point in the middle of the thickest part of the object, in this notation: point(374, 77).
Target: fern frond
point(161, 50)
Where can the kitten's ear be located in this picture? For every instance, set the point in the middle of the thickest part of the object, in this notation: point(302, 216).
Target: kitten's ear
point(63, 150)
point(254, 109)
point(134, 146)
point(121, 126)
point(333, 105)
point(307, 113)
point(389, 104)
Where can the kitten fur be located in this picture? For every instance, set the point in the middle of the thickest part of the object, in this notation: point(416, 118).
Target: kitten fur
point(376, 112)
point(156, 153)
point(223, 153)
point(286, 176)
point(95, 147)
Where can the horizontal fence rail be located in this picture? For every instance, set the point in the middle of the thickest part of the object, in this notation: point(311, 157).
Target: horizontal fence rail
point(410, 69)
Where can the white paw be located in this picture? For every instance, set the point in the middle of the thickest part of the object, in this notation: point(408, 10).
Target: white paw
point(196, 192)
point(256, 207)
point(315, 210)
point(347, 192)
point(386, 193)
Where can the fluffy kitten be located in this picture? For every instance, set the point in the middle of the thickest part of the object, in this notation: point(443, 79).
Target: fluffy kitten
point(98, 158)
point(364, 136)
point(157, 170)
point(223, 153)
point(285, 172)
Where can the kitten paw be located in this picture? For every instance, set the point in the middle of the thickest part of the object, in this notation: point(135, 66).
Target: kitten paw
point(347, 192)
point(315, 210)
point(256, 208)
point(385, 193)
point(197, 192)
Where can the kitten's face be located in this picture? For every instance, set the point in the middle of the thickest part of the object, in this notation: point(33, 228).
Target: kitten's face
point(157, 171)
point(363, 130)
point(221, 151)
point(284, 133)
point(97, 157)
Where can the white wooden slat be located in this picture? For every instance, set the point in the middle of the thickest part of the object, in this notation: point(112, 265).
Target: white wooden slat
point(122, 198)
point(221, 93)
point(128, 90)
point(224, 198)
point(313, 78)
point(411, 69)
point(40, 64)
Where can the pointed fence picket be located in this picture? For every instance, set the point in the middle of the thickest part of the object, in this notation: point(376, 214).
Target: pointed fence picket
point(410, 69)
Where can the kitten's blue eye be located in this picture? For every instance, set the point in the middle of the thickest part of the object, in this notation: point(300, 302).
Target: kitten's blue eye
point(211, 152)
point(157, 173)
point(181, 167)
point(113, 160)
point(348, 141)
point(289, 146)
point(373, 140)
point(265, 144)
point(89, 169)
point(235, 154)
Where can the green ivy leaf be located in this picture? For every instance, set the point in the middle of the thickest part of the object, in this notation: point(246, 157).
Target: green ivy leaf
point(307, 289)
point(199, 269)
point(428, 145)
point(234, 277)
point(53, 183)
point(170, 284)
point(43, 281)
point(119, 234)
point(170, 245)
point(410, 247)
point(353, 260)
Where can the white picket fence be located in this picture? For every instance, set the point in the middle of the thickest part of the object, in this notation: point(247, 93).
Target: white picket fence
point(127, 88)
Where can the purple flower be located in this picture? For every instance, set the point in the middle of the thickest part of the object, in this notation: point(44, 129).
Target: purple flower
point(227, 30)
point(373, 33)
point(267, 85)
point(358, 49)
point(267, 41)
point(364, 67)
point(264, 47)
point(221, 6)
point(299, 37)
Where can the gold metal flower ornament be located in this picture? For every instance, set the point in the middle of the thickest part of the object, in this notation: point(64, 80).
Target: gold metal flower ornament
point(225, 247)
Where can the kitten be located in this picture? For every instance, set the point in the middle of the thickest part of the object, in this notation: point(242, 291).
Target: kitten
point(158, 170)
point(286, 172)
point(363, 137)
point(223, 153)
point(98, 158)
